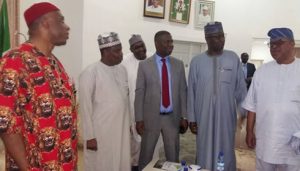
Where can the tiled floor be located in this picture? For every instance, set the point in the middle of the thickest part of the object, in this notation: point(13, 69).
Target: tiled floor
point(245, 157)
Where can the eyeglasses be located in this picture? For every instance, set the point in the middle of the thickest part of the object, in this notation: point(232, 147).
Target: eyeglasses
point(277, 43)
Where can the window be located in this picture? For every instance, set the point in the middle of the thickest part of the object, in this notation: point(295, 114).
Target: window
point(185, 51)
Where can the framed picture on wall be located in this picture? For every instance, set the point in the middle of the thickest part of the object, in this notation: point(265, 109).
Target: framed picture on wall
point(154, 8)
point(204, 12)
point(180, 11)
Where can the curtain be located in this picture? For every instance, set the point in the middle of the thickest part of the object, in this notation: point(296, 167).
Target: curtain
point(13, 17)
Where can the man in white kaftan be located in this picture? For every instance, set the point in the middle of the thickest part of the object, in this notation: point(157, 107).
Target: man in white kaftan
point(180, 9)
point(131, 62)
point(216, 84)
point(273, 102)
point(104, 110)
point(154, 6)
point(204, 17)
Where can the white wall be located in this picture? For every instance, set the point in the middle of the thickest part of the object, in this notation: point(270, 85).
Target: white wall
point(248, 21)
point(260, 49)
point(244, 21)
point(126, 18)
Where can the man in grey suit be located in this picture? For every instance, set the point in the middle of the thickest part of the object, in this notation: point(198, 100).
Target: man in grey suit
point(160, 100)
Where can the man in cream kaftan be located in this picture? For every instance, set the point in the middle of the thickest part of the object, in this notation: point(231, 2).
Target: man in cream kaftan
point(105, 117)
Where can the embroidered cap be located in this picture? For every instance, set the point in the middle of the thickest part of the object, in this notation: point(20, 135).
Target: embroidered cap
point(108, 40)
point(280, 33)
point(213, 27)
point(134, 39)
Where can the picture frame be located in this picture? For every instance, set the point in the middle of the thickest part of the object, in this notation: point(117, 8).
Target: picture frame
point(180, 11)
point(204, 13)
point(154, 8)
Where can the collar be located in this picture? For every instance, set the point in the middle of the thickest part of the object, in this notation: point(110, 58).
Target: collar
point(158, 58)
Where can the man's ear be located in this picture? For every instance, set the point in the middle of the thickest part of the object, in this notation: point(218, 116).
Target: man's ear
point(205, 38)
point(44, 22)
point(293, 43)
point(104, 52)
point(131, 49)
point(156, 43)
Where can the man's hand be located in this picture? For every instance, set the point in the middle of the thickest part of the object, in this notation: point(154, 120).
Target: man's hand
point(250, 140)
point(140, 127)
point(183, 125)
point(193, 127)
point(92, 144)
point(248, 80)
point(14, 145)
point(250, 136)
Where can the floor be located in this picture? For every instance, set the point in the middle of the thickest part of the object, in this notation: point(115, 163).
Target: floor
point(245, 157)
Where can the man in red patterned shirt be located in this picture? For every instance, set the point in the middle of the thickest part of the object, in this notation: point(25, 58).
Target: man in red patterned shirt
point(38, 114)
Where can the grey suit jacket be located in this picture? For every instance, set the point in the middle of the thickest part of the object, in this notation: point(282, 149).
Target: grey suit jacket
point(148, 92)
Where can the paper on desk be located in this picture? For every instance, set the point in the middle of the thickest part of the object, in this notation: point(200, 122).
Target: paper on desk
point(171, 166)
